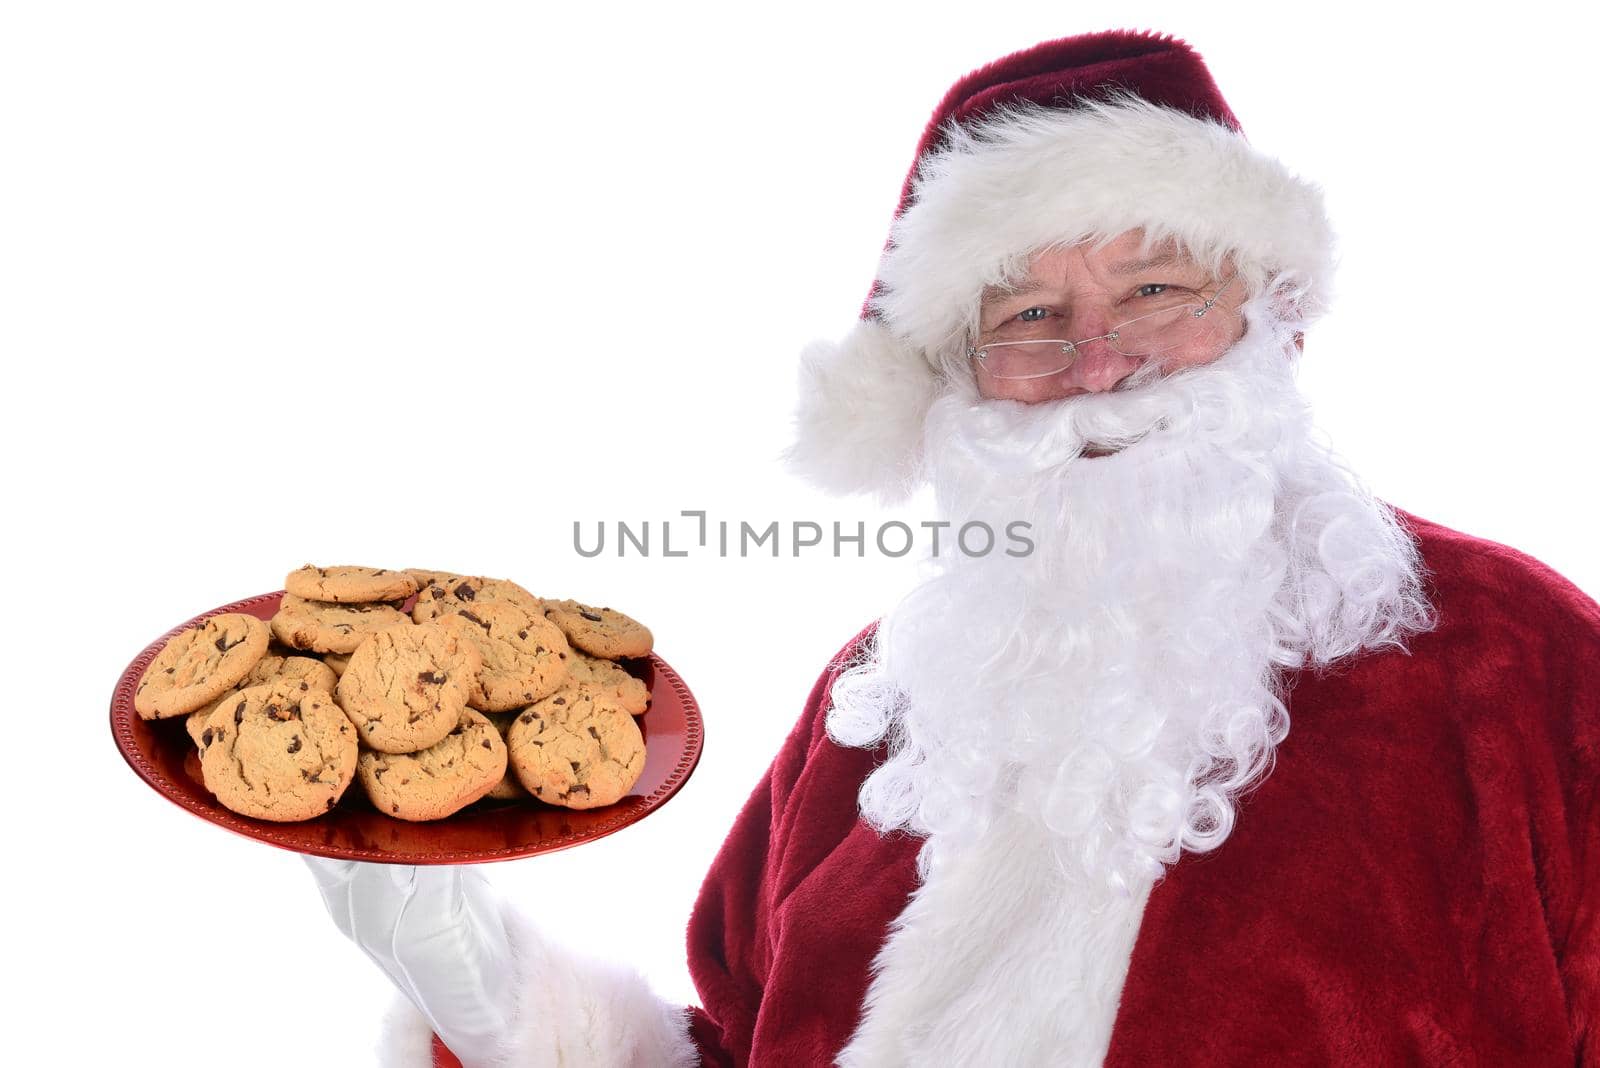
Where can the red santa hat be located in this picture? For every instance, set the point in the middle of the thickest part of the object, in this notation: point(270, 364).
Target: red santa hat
point(1078, 139)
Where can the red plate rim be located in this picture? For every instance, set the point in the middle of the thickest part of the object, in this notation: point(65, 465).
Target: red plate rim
point(595, 823)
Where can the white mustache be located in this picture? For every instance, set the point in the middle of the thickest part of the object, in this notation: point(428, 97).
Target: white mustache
point(1013, 439)
point(1122, 673)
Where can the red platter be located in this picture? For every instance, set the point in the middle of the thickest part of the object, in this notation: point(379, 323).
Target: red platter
point(162, 754)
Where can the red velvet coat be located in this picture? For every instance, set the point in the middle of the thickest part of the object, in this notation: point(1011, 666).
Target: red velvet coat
point(1416, 882)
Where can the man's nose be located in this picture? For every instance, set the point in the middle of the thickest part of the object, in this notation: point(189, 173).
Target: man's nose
point(1099, 367)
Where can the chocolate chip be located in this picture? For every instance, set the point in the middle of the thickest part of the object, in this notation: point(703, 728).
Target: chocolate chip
point(431, 678)
point(473, 619)
point(528, 717)
point(574, 764)
point(457, 729)
point(486, 744)
point(330, 802)
point(594, 734)
point(524, 636)
point(558, 700)
point(238, 714)
point(590, 616)
point(294, 743)
point(466, 593)
point(205, 739)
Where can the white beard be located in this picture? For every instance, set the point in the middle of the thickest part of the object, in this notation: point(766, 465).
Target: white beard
point(1063, 725)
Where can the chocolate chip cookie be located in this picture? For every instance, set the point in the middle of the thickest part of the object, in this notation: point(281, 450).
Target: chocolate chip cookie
point(509, 788)
point(524, 655)
point(428, 576)
point(277, 752)
point(444, 778)
point(350, 585)
point(324, 627)
point(303, 671)
point(576, 749)
point(610, 679)
point(200, 665)
point(451, 593)
point(407, 685)
point(603, 632)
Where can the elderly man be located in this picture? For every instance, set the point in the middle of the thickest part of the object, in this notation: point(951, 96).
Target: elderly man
point(1050, 810)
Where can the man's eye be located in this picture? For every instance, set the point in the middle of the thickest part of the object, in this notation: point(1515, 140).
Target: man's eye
point(1146, 289)
point(1032, 315)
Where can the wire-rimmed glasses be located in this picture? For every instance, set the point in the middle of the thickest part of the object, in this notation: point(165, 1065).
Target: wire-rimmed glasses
point(1167, 329)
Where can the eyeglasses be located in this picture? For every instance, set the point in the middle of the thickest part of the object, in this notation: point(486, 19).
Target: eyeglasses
point(1176, 326)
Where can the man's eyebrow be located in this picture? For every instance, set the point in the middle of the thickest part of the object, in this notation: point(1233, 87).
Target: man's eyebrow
point(1135, 266)
point(1005, 292)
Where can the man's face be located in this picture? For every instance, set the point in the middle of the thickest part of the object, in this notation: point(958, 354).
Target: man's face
point(1082, 292)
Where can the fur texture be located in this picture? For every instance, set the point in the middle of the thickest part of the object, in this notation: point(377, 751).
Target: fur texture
point(1030, 178)
point(1126, 673)
point(1000, 190)
point(1104, 700)
point(859, 424)
point(573, 1012)
point(1000, 960)
point(407, 1038)
point(1416, 882)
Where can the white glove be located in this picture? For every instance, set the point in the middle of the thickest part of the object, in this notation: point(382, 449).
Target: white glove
point(438, 934)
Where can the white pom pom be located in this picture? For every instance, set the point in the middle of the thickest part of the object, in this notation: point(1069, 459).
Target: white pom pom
point(858, 428)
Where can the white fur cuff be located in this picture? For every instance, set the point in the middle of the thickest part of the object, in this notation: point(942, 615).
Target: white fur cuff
point(571, 1010)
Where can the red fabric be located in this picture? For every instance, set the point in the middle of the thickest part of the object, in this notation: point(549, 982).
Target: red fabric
point(1158, 67)
point(442, 1057)
point(1416, 882)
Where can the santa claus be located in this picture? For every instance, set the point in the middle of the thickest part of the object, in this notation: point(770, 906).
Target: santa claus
point(1237, 765)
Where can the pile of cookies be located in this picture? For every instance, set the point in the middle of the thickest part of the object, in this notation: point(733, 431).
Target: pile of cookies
point(483, 691)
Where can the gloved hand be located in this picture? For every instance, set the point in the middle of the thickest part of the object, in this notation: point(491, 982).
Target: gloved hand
point(438, 934)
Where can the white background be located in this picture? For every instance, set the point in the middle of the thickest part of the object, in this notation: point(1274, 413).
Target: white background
point(420, 285)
